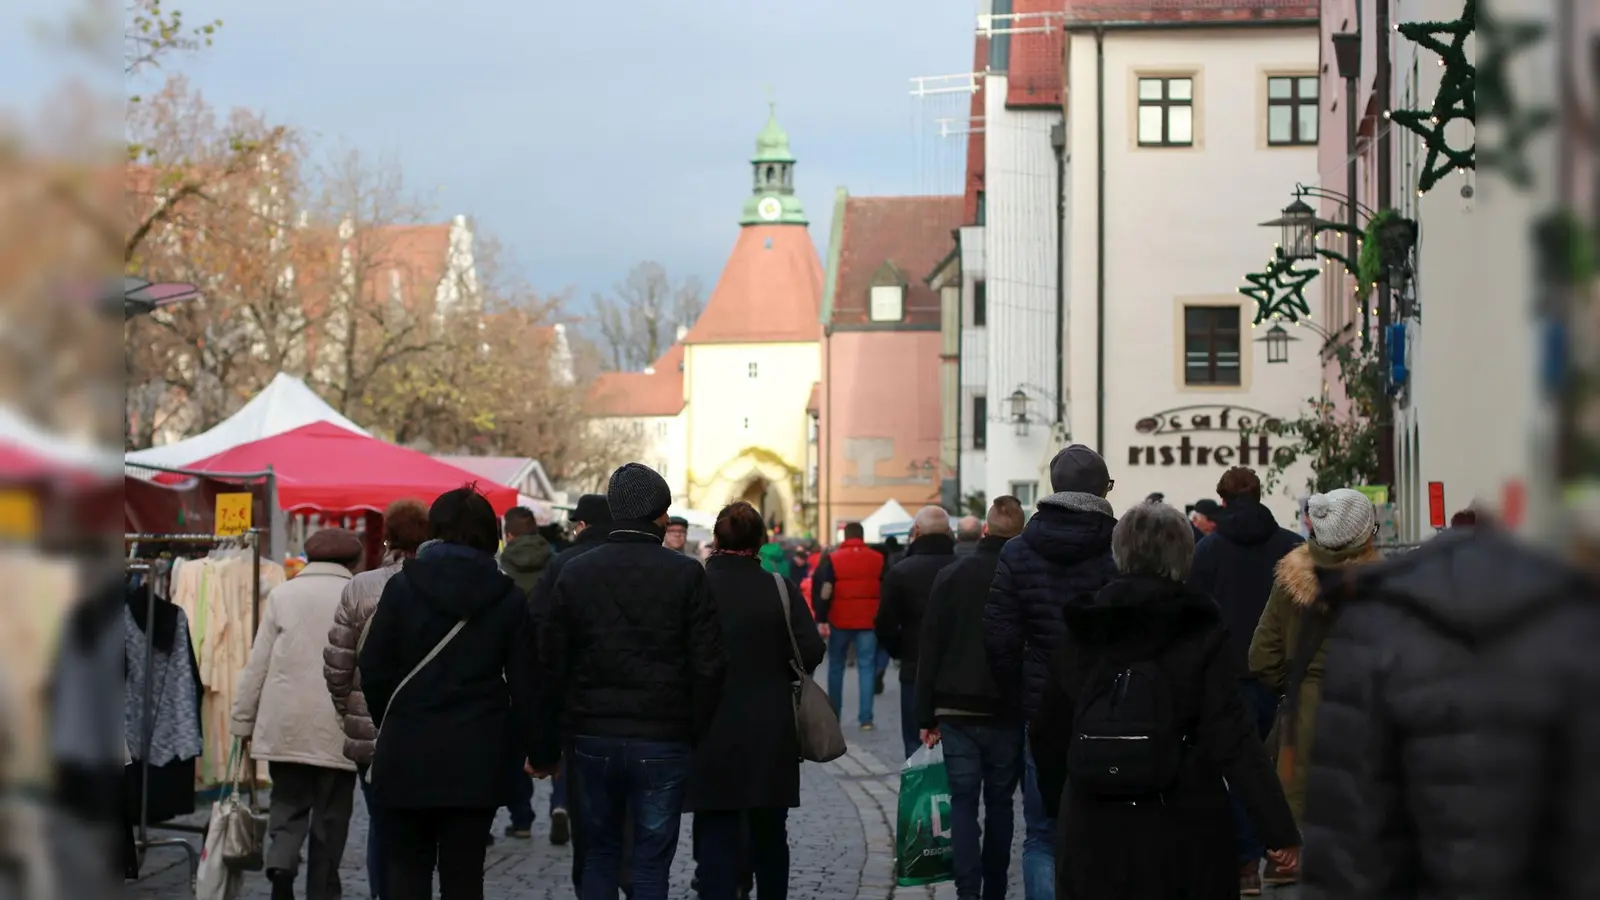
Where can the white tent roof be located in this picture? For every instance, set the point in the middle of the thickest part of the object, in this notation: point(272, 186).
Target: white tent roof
point(285, 404)
point(889, 518)
point(21, 432)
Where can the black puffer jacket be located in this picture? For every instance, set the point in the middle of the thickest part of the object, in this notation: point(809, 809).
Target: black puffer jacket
point(631, 646)
point(904, 603)
point(1064, 551)
point(545, 741)
point(1459, 730)
point(1235, 565)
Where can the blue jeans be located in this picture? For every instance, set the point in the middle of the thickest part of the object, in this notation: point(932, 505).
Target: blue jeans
point(866, 648)
point(618, 776)
point(981, 759)
point(1039, 841)
point(520, 801)
point(909, 732)
point(558, 788)
point(377, 868)
point(1261, 705)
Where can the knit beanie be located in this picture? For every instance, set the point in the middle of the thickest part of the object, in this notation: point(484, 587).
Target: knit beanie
point(337, 545)
point(637, 493)
point(1341, 518)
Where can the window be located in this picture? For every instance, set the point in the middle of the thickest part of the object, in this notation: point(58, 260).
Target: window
point(982, 209)
point(1166, 112)
point(887, 303)
point(1026, 493)
point(746, 423)
point(1211, 345)
point(980, 303)
point(661, 468)
point(1291, 111)
point(661, 429)
point(750, 370)
point(980, 422)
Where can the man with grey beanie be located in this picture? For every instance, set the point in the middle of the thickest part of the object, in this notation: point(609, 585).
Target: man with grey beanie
point(630, 657)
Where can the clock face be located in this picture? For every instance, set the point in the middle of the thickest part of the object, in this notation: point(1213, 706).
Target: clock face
point(769, 208)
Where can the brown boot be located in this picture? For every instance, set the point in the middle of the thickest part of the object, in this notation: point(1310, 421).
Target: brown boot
point(1277, 877)
point(1250, 879)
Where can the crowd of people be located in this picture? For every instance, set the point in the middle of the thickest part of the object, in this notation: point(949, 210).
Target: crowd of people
point(1183, 701)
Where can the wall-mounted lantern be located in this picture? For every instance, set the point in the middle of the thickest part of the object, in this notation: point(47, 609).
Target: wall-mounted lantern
point(1277, 340)
point(1297, 230)
point(1019, 412)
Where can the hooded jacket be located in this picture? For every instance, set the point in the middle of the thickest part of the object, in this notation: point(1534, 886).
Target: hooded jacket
point(1235, 565)
point(1461, 683)
point(1297, 596)
point(1063, 552)
point(524, 558)
point(445, 740)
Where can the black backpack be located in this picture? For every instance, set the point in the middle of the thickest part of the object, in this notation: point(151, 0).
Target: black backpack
point(1126, 741)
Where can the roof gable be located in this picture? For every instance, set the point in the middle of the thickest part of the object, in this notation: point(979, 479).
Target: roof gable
point(657, 391)
point(891, 241)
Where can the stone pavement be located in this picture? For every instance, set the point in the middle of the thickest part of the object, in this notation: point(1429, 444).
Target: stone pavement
point(841, 837)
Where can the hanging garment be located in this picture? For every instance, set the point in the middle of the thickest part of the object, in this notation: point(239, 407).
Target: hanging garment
point(173, 720)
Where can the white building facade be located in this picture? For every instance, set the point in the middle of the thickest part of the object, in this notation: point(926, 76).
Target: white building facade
point(1175, 154)
point(973, 367)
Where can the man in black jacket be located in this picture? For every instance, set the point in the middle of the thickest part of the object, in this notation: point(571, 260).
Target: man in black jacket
point(631, 651)
point(1064, 551)
point(1236, 565)
point(904, 602)
point(959, 704)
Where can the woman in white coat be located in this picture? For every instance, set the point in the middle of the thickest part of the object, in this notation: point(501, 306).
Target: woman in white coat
point(284, 710)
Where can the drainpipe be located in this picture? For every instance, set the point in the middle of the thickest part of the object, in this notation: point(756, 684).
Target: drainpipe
point(1384, 89)
point(1100, 242)
point(1058, 139)
point(961, 351)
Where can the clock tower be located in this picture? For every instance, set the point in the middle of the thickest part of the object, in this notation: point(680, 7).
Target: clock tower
point(772, 200)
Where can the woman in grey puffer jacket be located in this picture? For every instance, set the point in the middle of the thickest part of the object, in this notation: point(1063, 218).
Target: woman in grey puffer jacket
point(405, 525)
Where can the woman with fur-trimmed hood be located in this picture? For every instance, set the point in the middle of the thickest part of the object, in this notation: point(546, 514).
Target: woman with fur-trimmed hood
point(1297, 620)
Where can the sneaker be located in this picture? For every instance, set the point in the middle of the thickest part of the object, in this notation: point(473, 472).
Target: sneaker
point(1250, 879)
point(560, 830)
point(520, 834)
point(1277, 877)
point(867, 726)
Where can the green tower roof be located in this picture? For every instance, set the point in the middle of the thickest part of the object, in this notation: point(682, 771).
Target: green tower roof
point(773, 201)
point(772, 144)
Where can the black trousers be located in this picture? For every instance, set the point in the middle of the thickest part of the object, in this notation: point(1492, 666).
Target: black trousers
point(419, 840)
point(724, 840)
point(316, 803)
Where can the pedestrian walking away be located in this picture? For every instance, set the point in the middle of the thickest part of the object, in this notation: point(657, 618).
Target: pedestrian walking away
point(1140, 726)
point(282, 709)
point(405, 528)
point(525, 556)
point(1064, 551)
point(746, 773)
point(635, 699)
point(1235, 566)
point(845, 592)
point(904, 606)
point(439, 663)
point(960, 706)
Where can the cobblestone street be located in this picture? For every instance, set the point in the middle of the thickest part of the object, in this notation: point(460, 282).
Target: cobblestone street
point(841, 837)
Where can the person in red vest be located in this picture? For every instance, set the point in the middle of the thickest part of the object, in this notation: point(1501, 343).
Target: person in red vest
point(845, 597)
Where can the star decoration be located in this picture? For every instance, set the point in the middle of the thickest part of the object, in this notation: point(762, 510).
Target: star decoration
point(1456, 98)
point(1279, 292)
point(1498, 43)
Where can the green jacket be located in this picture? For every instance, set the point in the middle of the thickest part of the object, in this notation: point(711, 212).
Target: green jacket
point(1295, 590)
point(774, 558)
point(524, 559)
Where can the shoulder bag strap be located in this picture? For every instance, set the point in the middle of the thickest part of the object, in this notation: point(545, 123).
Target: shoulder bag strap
point(788, 626)
point(449, 636)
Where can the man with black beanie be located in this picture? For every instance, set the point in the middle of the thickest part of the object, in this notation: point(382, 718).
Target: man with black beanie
point(630, 655)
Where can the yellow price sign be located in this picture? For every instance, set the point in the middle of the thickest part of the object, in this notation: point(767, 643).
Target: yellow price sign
point(19, 515)
point(1378, 494)
point(234, 513)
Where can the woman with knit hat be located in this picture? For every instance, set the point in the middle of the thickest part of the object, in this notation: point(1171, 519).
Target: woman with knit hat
point(1286, 653)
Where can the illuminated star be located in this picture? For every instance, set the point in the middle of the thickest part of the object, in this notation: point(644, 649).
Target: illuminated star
point(1279, 292)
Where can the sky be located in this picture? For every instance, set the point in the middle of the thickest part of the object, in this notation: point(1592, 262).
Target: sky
point(587, 137)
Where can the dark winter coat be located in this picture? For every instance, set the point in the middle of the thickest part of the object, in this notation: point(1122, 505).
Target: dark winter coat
point(1459, 730)
point(904, 604)
point(446, 739)
point(1235, 566)
point(630, 646)
point(1064, 551)
point(524, 558)
point(1180, 845)
point(546, 740)
point(750, 759)
point(953, 668)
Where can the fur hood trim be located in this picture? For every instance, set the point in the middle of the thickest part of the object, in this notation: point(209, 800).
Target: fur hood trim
point(1298, 570)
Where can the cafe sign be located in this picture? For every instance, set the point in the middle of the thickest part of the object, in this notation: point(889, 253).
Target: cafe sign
point(1207, 436)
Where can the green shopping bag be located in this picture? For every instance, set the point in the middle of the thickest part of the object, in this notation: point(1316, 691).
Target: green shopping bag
point(923, 853)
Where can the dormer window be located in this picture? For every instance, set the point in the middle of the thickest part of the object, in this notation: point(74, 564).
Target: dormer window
point(888, 303)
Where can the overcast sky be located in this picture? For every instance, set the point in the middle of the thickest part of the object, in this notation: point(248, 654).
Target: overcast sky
point(590, 136)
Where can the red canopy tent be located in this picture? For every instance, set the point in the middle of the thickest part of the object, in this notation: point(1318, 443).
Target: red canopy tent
point(324, 468)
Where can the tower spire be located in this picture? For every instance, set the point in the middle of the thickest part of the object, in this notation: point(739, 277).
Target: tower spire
point(772, 200)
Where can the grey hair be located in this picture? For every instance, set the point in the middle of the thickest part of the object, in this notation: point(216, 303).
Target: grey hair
point(932, 520)
point(1153, 539)
point(970, 528)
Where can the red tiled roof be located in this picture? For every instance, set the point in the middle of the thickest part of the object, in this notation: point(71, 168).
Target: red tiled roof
point(1089, 12)
point(658, 392)
point(912, 233)
point(1037, 73)
point(770, 291)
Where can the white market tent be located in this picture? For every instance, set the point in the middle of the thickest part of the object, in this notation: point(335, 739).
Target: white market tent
point(284, 405)
point(22, 433)
point(890, 518)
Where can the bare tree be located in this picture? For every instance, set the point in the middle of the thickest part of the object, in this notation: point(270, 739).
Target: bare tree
point(639, 321)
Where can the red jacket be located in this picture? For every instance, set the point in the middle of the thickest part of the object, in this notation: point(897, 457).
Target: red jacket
point(805, 583)
point(857, 575)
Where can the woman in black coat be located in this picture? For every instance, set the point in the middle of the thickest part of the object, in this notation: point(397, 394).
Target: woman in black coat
point(1178, 842)
point(446, 736)
point(746, 773)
